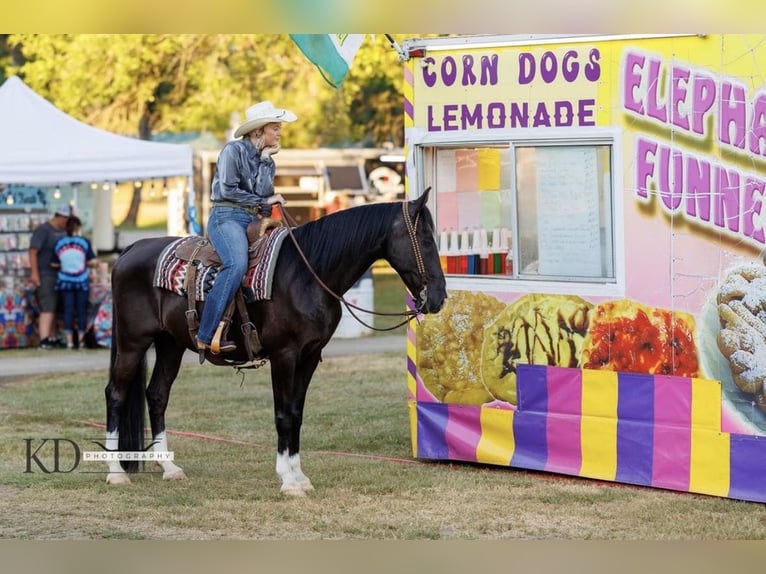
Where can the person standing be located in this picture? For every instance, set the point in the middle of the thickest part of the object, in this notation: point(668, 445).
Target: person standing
point(242, 191)
point(72, 255)
point(43, 275)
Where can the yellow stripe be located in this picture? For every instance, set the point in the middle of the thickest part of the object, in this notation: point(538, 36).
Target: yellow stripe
point(710, 448)
point(496, 444)
point(413, 407)
point(412, 355)
point(598, 428)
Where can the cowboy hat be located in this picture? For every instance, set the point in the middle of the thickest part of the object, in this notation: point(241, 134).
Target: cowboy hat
point(261, 114)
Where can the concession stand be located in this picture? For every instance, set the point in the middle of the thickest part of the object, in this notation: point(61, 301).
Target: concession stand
point(599, 208)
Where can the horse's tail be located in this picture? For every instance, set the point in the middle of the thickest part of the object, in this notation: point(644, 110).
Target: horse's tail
point(132, 417)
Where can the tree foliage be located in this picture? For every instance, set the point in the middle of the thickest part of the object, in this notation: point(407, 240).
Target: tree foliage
point(142, 84)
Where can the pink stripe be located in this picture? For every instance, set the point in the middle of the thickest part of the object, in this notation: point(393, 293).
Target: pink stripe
point(463, 431)
point(408, 77)
point(563, 422)
point(671, 462)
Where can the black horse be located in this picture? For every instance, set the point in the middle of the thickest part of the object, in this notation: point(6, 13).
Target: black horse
point(293, 326)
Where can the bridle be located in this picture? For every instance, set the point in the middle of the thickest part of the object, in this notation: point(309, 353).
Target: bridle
point(422, 297)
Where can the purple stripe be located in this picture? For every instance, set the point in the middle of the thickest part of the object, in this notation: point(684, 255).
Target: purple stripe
point(747, 467)
point(408, 109)
point(463, 432)
point(529, 422)
point(635, 428)
point(564, 417)
point(432, 425)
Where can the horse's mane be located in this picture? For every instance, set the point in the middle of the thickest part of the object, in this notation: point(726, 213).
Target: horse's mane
point(346, 235)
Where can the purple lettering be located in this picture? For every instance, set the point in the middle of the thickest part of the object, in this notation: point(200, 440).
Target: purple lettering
point(542, 118)
point(519, 115)
point(726, 197)
point(469, 78)
point(548, 67)
point(697, 185)
point(593, 68)
point(489, 70)
point(654, 108)
point(471, 119)
point(751, 209)
point(703, 97)
point(585, 112)
point(429, 77)
point(449, 70)
point(678, 93)
point(570, 67)
point(431, 126)
point(646, 151)
point(732, 114)
point(633, 67)
point(757, 135)
point(495, 115)
point(671, 178)
point(449, 117)
point(527, 68)
point(563, 113)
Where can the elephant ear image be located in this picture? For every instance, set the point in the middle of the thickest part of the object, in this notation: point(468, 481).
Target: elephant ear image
point(534, 329)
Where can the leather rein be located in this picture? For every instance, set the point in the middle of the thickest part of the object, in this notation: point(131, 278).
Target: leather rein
point(422, 295)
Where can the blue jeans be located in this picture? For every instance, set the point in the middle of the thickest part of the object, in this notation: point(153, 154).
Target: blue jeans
point(75, 301)
point(226, 229)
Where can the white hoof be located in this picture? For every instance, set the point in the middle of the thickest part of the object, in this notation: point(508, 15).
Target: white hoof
point(293, 490)
point(176, 474)
point(117, 478)
point(306, 485)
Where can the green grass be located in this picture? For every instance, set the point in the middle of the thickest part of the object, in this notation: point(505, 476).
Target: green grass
point(356, 449)
point(390, 296)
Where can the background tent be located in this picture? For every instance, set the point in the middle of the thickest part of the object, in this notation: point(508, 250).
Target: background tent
point(40, 144)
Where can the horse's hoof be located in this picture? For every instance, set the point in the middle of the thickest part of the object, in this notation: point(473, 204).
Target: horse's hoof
point(306, 485)
point(293, 490)
point(177, 474)
point(117, 478)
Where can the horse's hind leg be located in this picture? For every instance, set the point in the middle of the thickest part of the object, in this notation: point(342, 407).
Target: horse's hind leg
point(169, 355)
point(124, 395)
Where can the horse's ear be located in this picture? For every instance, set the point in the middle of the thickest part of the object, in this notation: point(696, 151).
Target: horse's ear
point(421, 201)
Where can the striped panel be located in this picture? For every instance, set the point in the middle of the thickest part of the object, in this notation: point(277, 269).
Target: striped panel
point(747, 467)
point(497, 441)
point(672, 432)
point(563, 421)
point(709, 447)
point(598, 430)
point(635, 428)
point(412, 362)
point(529, 424)
point(431, 429)
point(463, 431)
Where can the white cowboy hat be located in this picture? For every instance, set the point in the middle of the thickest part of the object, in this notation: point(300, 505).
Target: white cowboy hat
point(261, 114)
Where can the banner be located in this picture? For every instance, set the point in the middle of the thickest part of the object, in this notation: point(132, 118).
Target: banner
point(332, 54)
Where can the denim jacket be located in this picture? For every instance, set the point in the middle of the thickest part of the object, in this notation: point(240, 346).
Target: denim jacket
point(242, 176)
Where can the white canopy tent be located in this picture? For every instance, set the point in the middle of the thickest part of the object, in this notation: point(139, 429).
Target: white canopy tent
point(41, 145)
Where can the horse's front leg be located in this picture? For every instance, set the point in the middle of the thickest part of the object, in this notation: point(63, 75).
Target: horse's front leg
point(290, 385)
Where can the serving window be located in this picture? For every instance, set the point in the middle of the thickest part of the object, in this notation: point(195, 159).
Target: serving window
point(532, 210)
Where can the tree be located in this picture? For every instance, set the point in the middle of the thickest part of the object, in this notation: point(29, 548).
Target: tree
point(143, 84)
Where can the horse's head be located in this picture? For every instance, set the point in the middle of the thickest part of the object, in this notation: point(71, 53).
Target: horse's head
point(414, 254)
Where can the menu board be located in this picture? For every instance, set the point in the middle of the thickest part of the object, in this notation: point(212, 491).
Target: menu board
point(569, 236)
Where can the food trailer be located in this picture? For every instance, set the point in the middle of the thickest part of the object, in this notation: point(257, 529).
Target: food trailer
point(599, 209)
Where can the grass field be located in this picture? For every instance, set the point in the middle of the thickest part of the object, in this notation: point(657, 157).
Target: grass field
point(356, 449)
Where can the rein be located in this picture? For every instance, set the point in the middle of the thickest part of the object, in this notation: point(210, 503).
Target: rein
point(408, 315)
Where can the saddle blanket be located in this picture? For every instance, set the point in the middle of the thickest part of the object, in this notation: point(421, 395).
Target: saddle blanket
point(256, 284)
